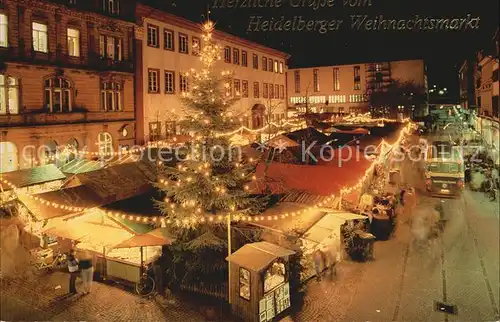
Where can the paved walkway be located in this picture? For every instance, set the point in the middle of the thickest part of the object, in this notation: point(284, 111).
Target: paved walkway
point(33, 298)
point(403, 284)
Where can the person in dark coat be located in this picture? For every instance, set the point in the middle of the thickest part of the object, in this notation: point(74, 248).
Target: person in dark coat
point(73, 271)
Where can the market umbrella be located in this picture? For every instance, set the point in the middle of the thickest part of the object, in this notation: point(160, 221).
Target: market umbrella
point(144, 240)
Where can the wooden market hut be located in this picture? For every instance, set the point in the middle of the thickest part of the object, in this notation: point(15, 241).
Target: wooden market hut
point(259, 287)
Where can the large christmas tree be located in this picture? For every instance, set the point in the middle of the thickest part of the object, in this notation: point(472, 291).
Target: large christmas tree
point(213, 177)
point(212, 180)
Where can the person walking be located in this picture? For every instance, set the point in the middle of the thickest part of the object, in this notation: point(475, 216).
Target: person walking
point(87, 271)
point(73, 271)
point(410, 202)
point(318, 263)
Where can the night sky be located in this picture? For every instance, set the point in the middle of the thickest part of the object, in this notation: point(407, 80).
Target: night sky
point(442, 50)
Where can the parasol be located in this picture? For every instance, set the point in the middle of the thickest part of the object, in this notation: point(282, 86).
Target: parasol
point(281, 142)
point(157, 237)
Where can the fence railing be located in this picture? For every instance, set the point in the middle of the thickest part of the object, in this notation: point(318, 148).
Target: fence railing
point(217, 291)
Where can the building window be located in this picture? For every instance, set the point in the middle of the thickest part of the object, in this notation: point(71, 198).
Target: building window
point(153, 81)
point(154, 131)
point(58, 94)
point(40, 40)
point(170, 128)
point(237, 87)
point(111, 6)
point(271, 91)
point(245, 284)
point(229, 88)
point(378, 67)
point(256, 91)
point(105, 143)
point(357, 78)
point(336, 79)
point(168, 39)
point(255, 61)
point(297, 81)
point(111, 96)
point(110, 47)
point(236, 56)
point(183, 83)
point(169, 82)
point(196, 45)
point(270, 65)
point(244, 58)
point(265, 91)
point(276, 91)
point(274, 276)
point(227, 54)
point(153, 36)
point(276, 66)
point(282, 91)
point(281, 67)
point(4, 31)
point(244, 88)
point(8, 157)
point(316, 80)
point(183, 44)
point(9, 95)
point(264, 63)
point(73, 42)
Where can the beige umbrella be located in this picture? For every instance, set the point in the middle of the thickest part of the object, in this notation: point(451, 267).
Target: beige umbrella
point(281, 142)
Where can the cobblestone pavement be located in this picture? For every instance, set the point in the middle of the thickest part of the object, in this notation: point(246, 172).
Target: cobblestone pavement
point(403, 284)
point(35, 298)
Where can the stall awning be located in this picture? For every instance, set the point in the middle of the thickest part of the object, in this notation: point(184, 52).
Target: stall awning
point(149, 239)
point(258, 256)
point(33, 176)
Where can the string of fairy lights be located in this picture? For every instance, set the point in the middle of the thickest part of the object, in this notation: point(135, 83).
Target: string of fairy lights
point(220, 219)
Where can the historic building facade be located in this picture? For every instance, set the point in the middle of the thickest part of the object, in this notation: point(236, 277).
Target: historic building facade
point(343, 88)
point(66, 79)
point(466, 76)
point(168, 46)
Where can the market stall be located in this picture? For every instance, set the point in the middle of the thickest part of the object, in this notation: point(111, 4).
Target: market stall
point(118, 251)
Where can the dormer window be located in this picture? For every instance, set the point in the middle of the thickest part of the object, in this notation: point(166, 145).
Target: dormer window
point(111, 6)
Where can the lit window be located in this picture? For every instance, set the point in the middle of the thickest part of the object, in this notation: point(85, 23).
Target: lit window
point(297, 81)
point(244, 58)
point(316, 80)
point(244, 88)
point(8, 157)
point(183, 82)
point(183, 43)
point(357, 78)
point(227, 54)
point(4, 31)
point(111, 6)
point(154, 131)
point(73, 42)
point(256, 93)
point(229, 88)
point(255, 61)
point(105, 143)
point(281, 67)
point(40, 37)
point(236, 56)
point(245, 283)
point(171, 128)
point(153, 80)
point(378, 67)
point(237, 87)
point(336, 80)
point(153, 37)
point(111, 94)
point(274, 276)
point(58, 95)
point(9, 95)
point(264, 63)
point(276, 66)
point(169, 82)
point(168, 39)
point(196, 45)
point(110, 47)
